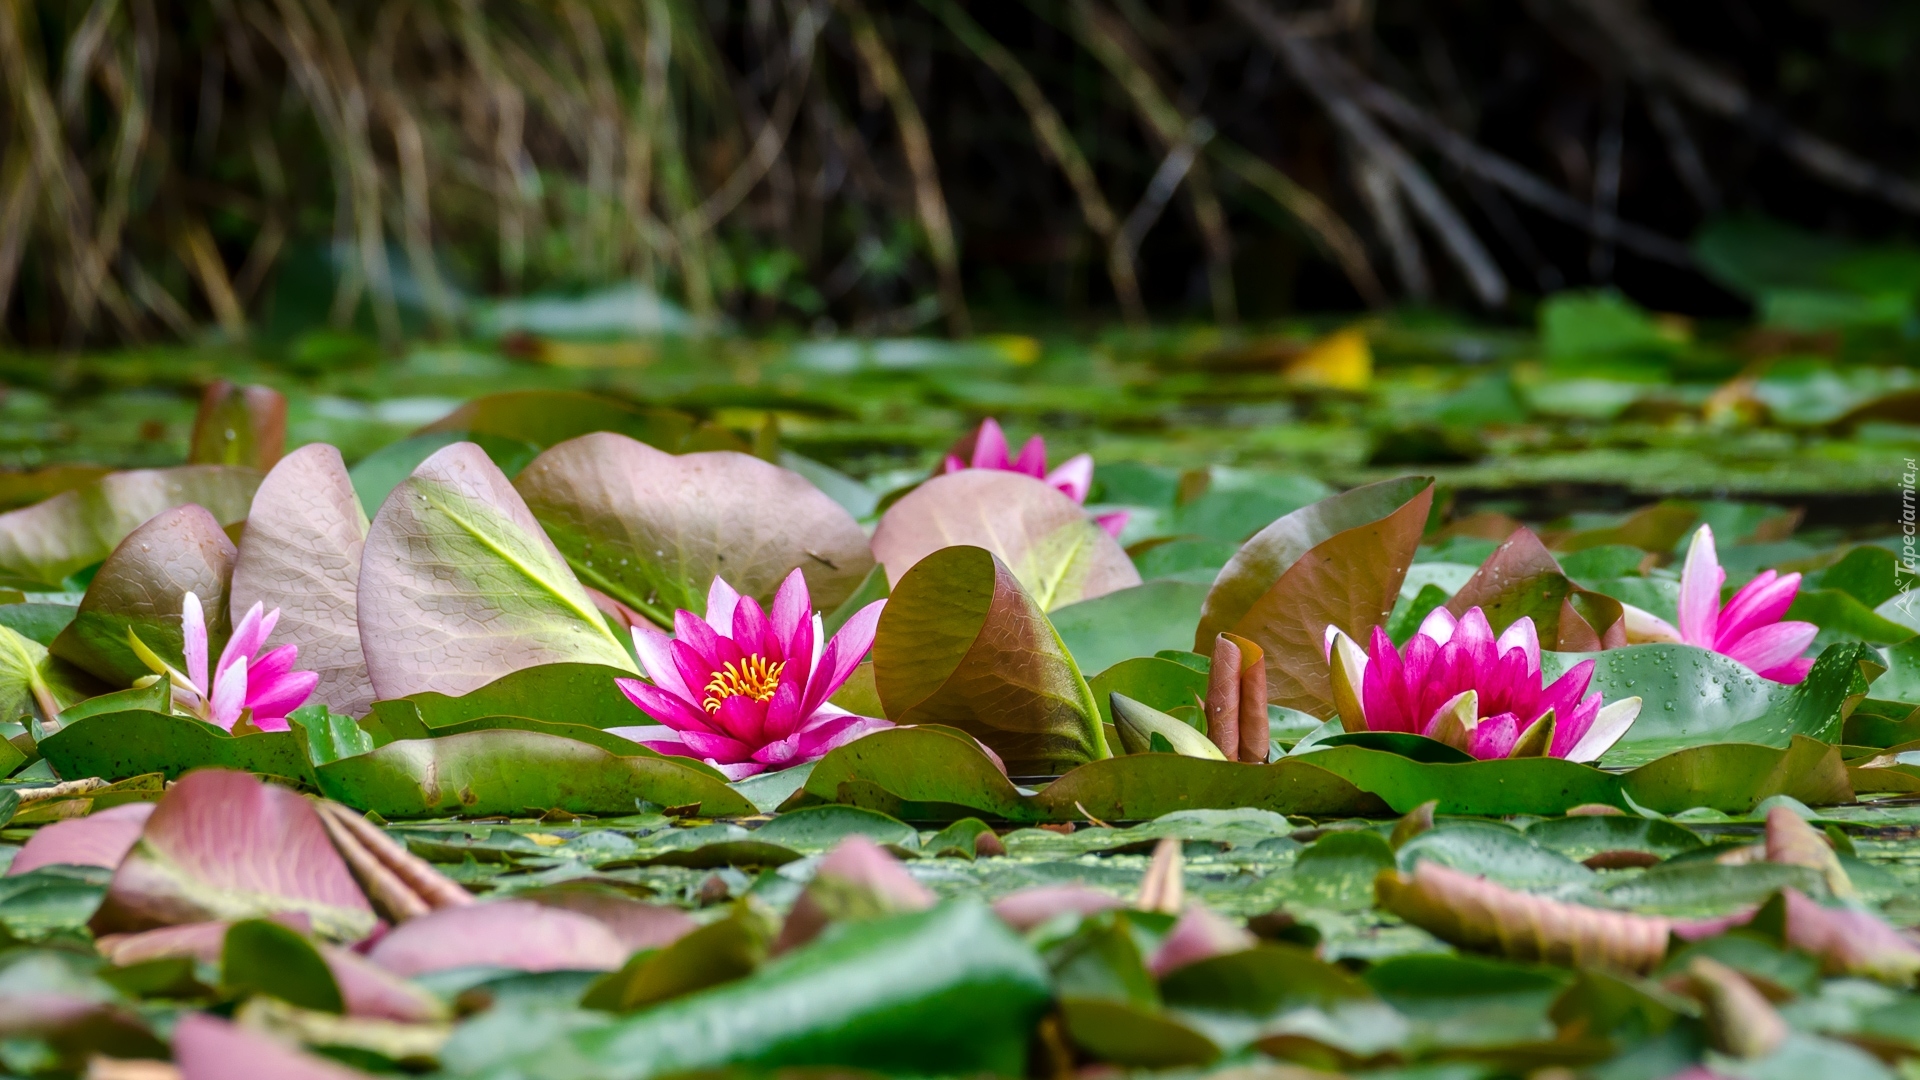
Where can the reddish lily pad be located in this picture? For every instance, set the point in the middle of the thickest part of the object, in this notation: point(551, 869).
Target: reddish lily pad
point(1338, 562)
point(961, 643)
point(47, 542)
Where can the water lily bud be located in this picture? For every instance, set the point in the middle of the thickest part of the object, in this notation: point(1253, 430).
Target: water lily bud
point(1138, 724)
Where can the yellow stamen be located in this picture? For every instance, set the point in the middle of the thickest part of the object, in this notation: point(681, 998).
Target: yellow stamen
point(755, 677)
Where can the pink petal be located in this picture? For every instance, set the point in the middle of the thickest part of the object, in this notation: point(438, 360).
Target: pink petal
point(1438, 626)
point(1382, 696)
point(247, 637)
point(1793, 671)
point(1569, 727)
point(990, 446)
point(1771, 646)
point(698, 650)
point(721, 599)
point(1114, 523)
point(267, 669)
point(751, 629)
point(954, 464)
point(655, 650)
point(842, 655)
point(1033, 458)
point(229, 693)
point(791, 614)
point(1565, 693)
point(737, 770)
point(1524, 636)
point(1700, 582)
point(1474, 630)
point(816, 741)
point(1759, 602)
point(783, 714)
point(273, 701)
point(193, 626)
point(663, 706)
point(1494, 737)
point(1074, 477)
point(716, 747)
point(742, 719)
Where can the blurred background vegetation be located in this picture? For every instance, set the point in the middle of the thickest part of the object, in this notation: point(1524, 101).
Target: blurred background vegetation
point(194, 170)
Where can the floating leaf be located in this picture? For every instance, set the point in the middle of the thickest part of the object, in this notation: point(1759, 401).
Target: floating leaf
point(301, 554)
point(101, 838)
point(1137, 787)
point(224, 845)
point(1151, 680)
point(1473, 913)
point(719, 952)
point(1338, 562)
point(263, 957)
point(45, 543)
point(961, 643)
point(652, 530)
point(1134, 622)
point(948, 990)
point(1056, 552)
point(239, 425)
point(575, 694)
point(1695, 696)
point(924, 766)
point(512, 772)
point(549, 417)
point(208, 1048)
point(134, 742)
point(515, 934)
point(459, 585)
point(139, 590)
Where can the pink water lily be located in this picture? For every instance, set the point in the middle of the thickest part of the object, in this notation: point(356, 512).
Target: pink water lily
point(245, 682)
point(1747, 628)
point(1456, 683)
point(1073, 478)
point(746, 689)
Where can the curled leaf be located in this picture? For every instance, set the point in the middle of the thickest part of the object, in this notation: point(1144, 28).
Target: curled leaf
point(101, 838)
point(1474, 913)
point(1847, 941)
point(1790, 840)
point(1138, 725)
point(225, 845)
point(1521, 579)
point(857, 880)
point(1028, 908)
point(651, 530)
point(401, 884)
point(459, 585)
point(961, 643)
point(139, 590)
point(516, 934)
point(1739, 1020)
point(1336, 563)
point(1163, 887)
point(301, 554)
point(1059, 555)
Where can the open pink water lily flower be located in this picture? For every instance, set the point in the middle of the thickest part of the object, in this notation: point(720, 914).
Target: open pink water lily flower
point(1456, 683)
point(746, 690)
point(1747, 628)
point(245, 681)
point(1074, 477)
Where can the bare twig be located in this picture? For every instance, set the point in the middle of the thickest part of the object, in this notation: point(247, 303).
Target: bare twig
point(1050, 131)
point(918, 148)
point(1304, 59)
point(1653, 59)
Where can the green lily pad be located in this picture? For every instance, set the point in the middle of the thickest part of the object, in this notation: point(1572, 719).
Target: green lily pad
point(117, 745)
point(1140, 786)
point(924, 767)
point(1151, 680)
point(1691, 696)
point(482, 773)
point(565, 693)
point(1134, 622)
